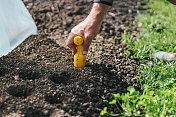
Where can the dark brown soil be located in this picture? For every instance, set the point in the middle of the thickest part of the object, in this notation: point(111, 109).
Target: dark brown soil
point(38, 79)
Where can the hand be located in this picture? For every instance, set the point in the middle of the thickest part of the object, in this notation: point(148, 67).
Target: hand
point(88, 28)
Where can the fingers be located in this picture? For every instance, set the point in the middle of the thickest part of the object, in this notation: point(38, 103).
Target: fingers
point(86, 32)
point(71, 44)
point(86, 44)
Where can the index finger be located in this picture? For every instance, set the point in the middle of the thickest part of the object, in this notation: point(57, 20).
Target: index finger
point(70, 43)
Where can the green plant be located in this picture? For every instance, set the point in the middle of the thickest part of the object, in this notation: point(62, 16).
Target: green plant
point(149, 103)
point(157, 78)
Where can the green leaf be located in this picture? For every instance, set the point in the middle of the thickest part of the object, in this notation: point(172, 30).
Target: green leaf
point(127, 53)
point(151, 93)
point(141, 103)
point(113, 102)
point(144, 97)
point(131, 89)
point(116, 96)
point(104, 111)
point(135, 93)
point(115, 115)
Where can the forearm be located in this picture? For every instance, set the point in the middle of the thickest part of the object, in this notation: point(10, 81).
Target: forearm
point(98, 13)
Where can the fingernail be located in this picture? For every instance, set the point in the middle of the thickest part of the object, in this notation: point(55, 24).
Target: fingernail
point(84, 52)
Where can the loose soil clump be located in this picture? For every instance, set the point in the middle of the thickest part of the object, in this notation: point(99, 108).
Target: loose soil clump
point(37, 79)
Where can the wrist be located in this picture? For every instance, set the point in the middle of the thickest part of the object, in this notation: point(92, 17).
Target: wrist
point(107, 2)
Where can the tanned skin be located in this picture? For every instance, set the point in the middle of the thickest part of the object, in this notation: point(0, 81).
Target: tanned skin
point(88, 28)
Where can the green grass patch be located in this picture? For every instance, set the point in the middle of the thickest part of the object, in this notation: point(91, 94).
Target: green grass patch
point(157, 78)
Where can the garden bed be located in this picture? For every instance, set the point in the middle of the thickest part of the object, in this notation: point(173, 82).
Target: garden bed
point(37, 79)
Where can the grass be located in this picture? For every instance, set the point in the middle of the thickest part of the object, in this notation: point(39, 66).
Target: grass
point(157, 78)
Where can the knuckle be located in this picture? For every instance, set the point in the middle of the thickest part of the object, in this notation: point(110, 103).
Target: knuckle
point(88, 37)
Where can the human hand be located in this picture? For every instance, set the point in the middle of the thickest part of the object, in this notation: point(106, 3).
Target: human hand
point(88, 28)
